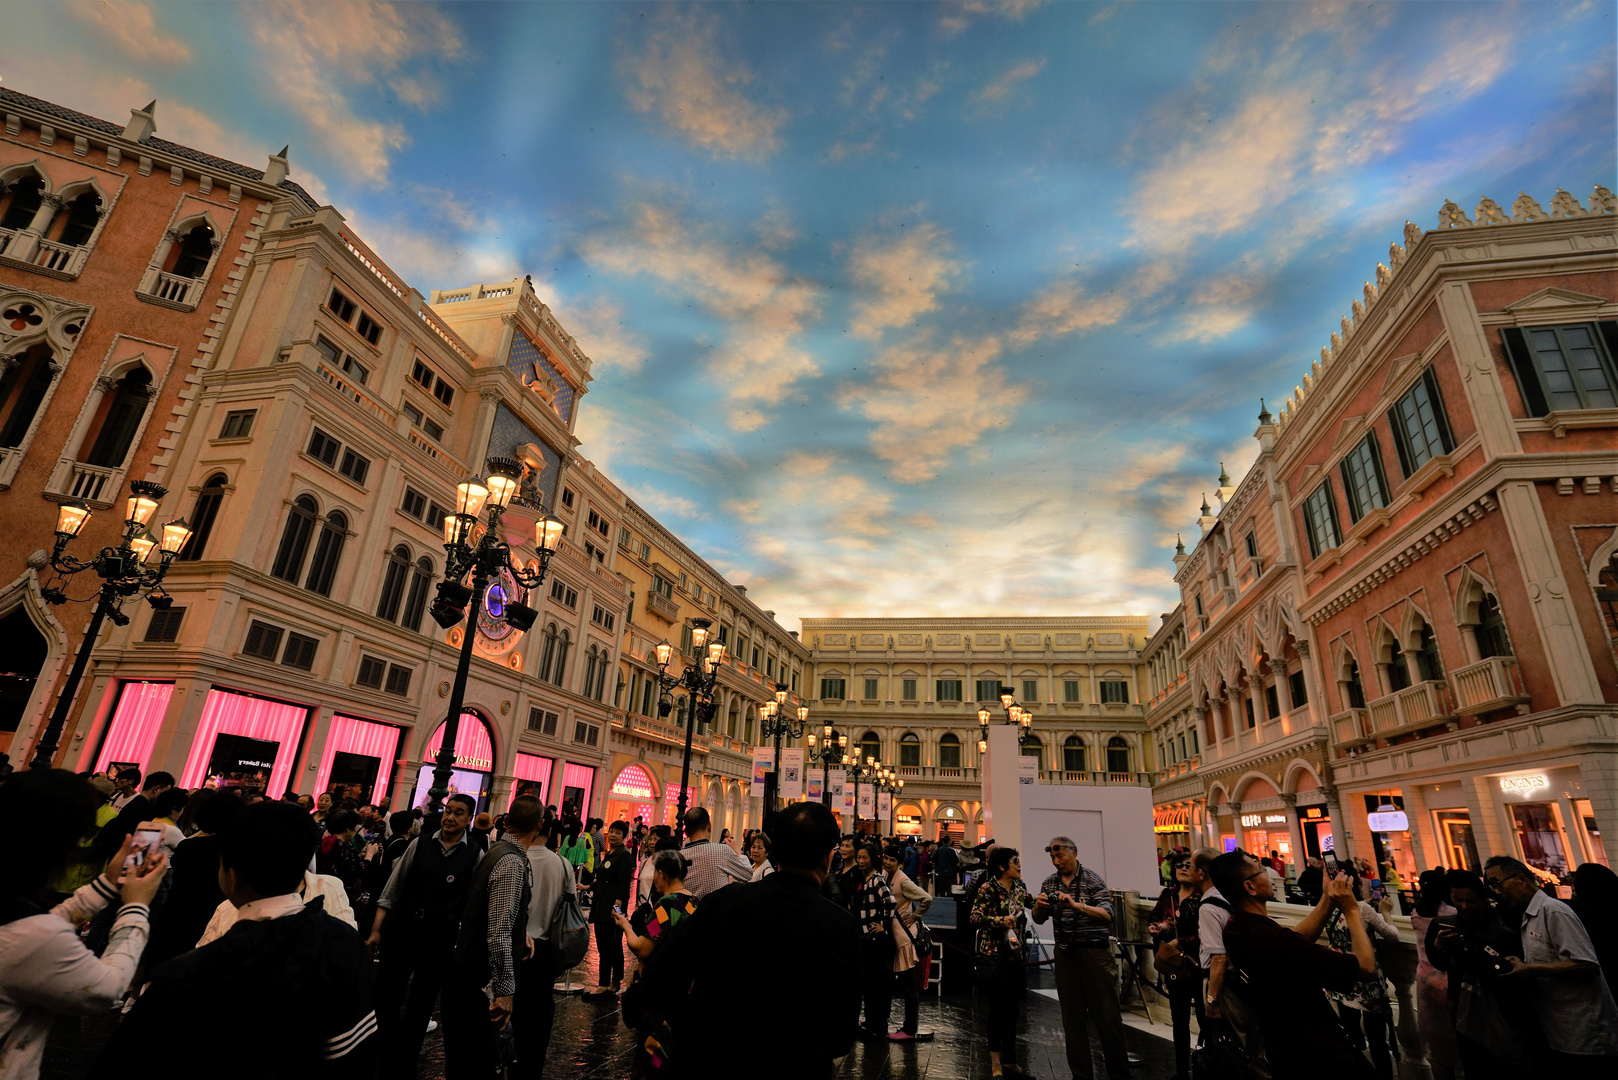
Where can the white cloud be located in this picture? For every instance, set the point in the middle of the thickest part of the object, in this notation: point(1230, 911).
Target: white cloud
point(598, 324)
point(959, 16)
point(132, 27)
point(899, 276)
point(764, 306)
point(1064, 307)
point(1001, 90)
point(680, 73)
point(317, 53)
point(929, 399)
point(1224, 305)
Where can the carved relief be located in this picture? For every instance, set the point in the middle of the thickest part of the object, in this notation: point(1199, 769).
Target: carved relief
point(1490, 213)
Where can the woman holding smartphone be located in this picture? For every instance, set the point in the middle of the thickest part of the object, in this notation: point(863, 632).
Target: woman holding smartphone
point(48, 972)
point(997, 914)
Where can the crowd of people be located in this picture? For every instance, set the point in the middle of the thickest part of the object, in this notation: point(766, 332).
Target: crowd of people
point(327, 936)
point(1509, 980)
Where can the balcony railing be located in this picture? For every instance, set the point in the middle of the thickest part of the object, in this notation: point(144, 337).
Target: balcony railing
point(7, 238)
point(349, 389)
point(948, 774)
point(1064, 776)
point(1422, 705)
point(76, 480)
point(1490, 684)
point(10, 458)
point(58, 257)
point(1179, 768)
point(1350, 728)
point(173, 289)
point(662, 606)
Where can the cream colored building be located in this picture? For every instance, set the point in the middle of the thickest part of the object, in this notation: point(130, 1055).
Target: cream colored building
point(908, 691)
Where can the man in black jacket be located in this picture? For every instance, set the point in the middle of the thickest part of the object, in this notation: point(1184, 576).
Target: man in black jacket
point(735, 931)
point(615, 873)
point(134, 812)
point(417, 920)
point(243, 1002)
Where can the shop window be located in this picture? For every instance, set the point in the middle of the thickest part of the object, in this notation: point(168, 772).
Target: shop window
point(1455, 832)
point(1117, 755)
point(193, 253)
point(1585, 812)
point(393, 583)
point(1073, 752)
point(300, 652)
point(1540, 835)
point(421, 579)
point(165, 624)
point(121, 419)
point(328, 550)
point(203, 513)
point(24, 381)
point(909, 751)
point(949, 752)
point(1420, 427)
point(25, 197)
point(294, 545)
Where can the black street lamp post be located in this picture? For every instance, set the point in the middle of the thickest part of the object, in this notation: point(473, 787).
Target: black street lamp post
point(474, 543)
point(124, 573)
point(774, 722)
point(699, 680)
point(830, 753)
point(871, 771)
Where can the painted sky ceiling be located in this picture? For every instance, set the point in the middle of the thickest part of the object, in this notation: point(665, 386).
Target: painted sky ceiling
point(901, 308)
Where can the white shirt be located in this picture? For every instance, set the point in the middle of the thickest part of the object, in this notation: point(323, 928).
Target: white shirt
point(1211, 921)
point(1577, 1012)
point(329, 888)
point(552, 878)
point(763, 870)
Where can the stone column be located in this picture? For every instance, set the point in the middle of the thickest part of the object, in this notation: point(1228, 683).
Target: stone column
point(1283, 694)
point(1342, 845)
point(1422, 837)
point(1300, 855)
point(1235, 824)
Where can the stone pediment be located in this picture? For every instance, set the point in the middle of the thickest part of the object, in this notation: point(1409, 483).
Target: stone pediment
point(1553, 299)
point(1397, 369)
point(1349, 428)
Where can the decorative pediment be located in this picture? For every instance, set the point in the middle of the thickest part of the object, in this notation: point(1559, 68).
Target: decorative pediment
point(1349, 428)
point(1398, 367)
point(1306, 476)
point(1558, 301)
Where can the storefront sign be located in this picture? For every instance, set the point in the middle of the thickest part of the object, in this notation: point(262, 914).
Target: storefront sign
point(633, 783)
point(1522, 785)
point(1258, 821)
point(1388, 821)
point(763, 763)
point(1314, 813)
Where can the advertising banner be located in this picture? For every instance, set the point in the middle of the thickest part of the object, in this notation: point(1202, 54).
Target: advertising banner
point(791, 778)
point(763, 762)
point(837, 780)
point(867, 801)
point(814, 788)
point(884, 806)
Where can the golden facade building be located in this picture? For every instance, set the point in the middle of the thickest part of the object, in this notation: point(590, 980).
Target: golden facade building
point(907, 691)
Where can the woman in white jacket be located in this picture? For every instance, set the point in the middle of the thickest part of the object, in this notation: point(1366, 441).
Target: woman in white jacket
point(47, 971)
point(912, 901)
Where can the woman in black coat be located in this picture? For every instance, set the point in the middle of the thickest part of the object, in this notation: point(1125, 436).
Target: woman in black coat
point(194, 884)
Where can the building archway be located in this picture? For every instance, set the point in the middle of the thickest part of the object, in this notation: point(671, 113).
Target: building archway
point(474, 761)
point(25, 657)
point(633, 794)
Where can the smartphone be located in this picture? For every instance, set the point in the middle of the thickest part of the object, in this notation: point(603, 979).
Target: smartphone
point(148, 838)
point(617, 908)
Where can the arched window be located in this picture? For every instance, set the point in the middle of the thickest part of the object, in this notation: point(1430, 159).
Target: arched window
point(1429, 665)
point(323, 567)
point(120, 419)
point(909, 750)
point(949, 752)
point(76, 222)
point(1607, 597)
point(393, 583)
point(547, 654)
point(1118, 754)
point(295, 539)
point(24, 202)
point(23, 384)
point(1073, 755)
point(681, 705)
point(1035, 749)
point(416, 602)
point(563, 643)
point(193, 253)
point(202, 517)
point(1353, 685)
point(1395, 669)
point(595, 670)
point(871, 746)
point(601, 674)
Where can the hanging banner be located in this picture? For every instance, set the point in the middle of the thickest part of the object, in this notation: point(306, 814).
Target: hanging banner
point(790, 782)
point(867, 801)
point(837, 782)
point(814, 786)
point(1027, 770)
point(763, 762)
point(884, 805)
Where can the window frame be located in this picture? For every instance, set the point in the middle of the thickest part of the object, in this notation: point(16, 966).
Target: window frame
point(1329, 503)
point(1367, 451)
point(1530, 371)
point(243, 419)
point(163, 628)
point(1427, 382)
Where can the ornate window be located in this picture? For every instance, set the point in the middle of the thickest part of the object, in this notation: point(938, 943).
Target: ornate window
point(909, 750)
point(1073, 755)
point(416, 602)
point(294, 545)
point(48, 232)
point(23, 385)
point(1420, 427)
point(547, 654)
point(1118, 754)
point(393, 583)
point(178, 273)
point(203, 515)
point(121, 419)
point(949, 752)
point(328, 550)
point(23, 199)
point(563, 643)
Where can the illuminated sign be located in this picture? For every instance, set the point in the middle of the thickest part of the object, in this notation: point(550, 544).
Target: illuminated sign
point(949, 811)
point(633, 785)
point(1522, 785)
point(1255, 821)
point(1314, 813)
point(1388, 821)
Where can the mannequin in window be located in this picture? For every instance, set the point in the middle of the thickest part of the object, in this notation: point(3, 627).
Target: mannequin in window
point(193, 253)
point(25, 198)
point(121, 417)
point(22, 389)
point(76, 222)
point(202, 517)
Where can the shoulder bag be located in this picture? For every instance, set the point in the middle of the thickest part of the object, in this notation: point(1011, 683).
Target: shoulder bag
point(569, 932)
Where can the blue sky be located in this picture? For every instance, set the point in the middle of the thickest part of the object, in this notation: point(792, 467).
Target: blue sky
point(900, 308)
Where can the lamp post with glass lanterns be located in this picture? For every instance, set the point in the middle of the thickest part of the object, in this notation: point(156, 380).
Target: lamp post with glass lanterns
point(699, 680)
point(473, 543)
point(830, 753)
point(894, 786)
point(1015, 714)
point(124, 572)
point(774, 722)
point(870, 771)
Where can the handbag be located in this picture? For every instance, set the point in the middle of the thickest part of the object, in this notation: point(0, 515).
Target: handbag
point(922, 942)
point(1219, 1054)
point(569, 932)
point(1179, 971)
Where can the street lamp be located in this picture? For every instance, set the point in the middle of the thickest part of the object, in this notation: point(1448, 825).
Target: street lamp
point(894, 786)
point(1015, 714)
point(474, 543)
point(869, 770)
point(830, 753)
point(698, 680)
point(124, 572)
point(775, 721)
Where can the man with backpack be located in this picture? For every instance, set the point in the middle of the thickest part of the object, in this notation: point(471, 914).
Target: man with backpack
point(1223, 1000)
point(555, 950)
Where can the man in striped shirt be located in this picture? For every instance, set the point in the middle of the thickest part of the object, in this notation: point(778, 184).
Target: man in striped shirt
point(712, 866)
point(1086, 974)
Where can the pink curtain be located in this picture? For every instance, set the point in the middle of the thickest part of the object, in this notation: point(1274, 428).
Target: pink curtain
point(228, 713)
point(473, 748)
point(135, 723)
point(579, 776)
point(532, 767)
point(350, 735)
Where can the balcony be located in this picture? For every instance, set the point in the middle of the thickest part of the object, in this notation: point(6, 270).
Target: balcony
point(1426, 704)
point(1092, 779)
point(1350, 729)
point(1490, 684)
point(92, 483)
point(170, 290)
point(10, 458)
point(938, 774)
point(662, 607)
point(354, 392)
point(1179, 768)
point(22, 248)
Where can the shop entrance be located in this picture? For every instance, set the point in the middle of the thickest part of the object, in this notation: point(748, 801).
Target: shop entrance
point(1390, 834)
point(1539, 832)
point(1316, 829)
point(1460, 848)
point(474, 762)
point(633, 795)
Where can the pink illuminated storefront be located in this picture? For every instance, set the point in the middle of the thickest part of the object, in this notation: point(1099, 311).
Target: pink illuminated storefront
point(474, 762)
point(633, 795)
point(357, 762)
point(531, 775)
point(135, 722)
